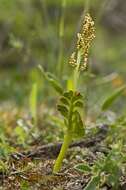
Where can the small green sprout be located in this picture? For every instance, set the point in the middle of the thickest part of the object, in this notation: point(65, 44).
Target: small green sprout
point(106, 169)
point(33, 102)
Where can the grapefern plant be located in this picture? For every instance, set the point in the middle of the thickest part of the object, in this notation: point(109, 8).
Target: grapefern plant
point(69, 107)
point(71, 102)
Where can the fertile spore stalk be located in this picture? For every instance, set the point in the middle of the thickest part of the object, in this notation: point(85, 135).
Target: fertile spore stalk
point(71, 102)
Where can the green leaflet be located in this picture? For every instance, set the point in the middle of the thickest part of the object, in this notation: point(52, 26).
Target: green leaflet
point(68, 95)
point(85, 168)
point(52, 80)
point(93, 183)
point(64, 101)
point(78, 128)
point(78, 104)
point(108, 102)
point(69, 107)
point(63, 110)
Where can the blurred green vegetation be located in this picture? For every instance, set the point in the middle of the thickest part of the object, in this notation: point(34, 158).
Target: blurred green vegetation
point(30, 35)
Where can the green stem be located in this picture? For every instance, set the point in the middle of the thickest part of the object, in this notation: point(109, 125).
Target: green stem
point(61, 37)
point(87, 6)
point(65, 145)
point(76, 71)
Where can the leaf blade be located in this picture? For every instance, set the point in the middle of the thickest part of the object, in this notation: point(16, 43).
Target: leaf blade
point(108, 102)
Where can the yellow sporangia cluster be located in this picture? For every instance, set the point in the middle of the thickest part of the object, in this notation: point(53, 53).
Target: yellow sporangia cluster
point(84, 39)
